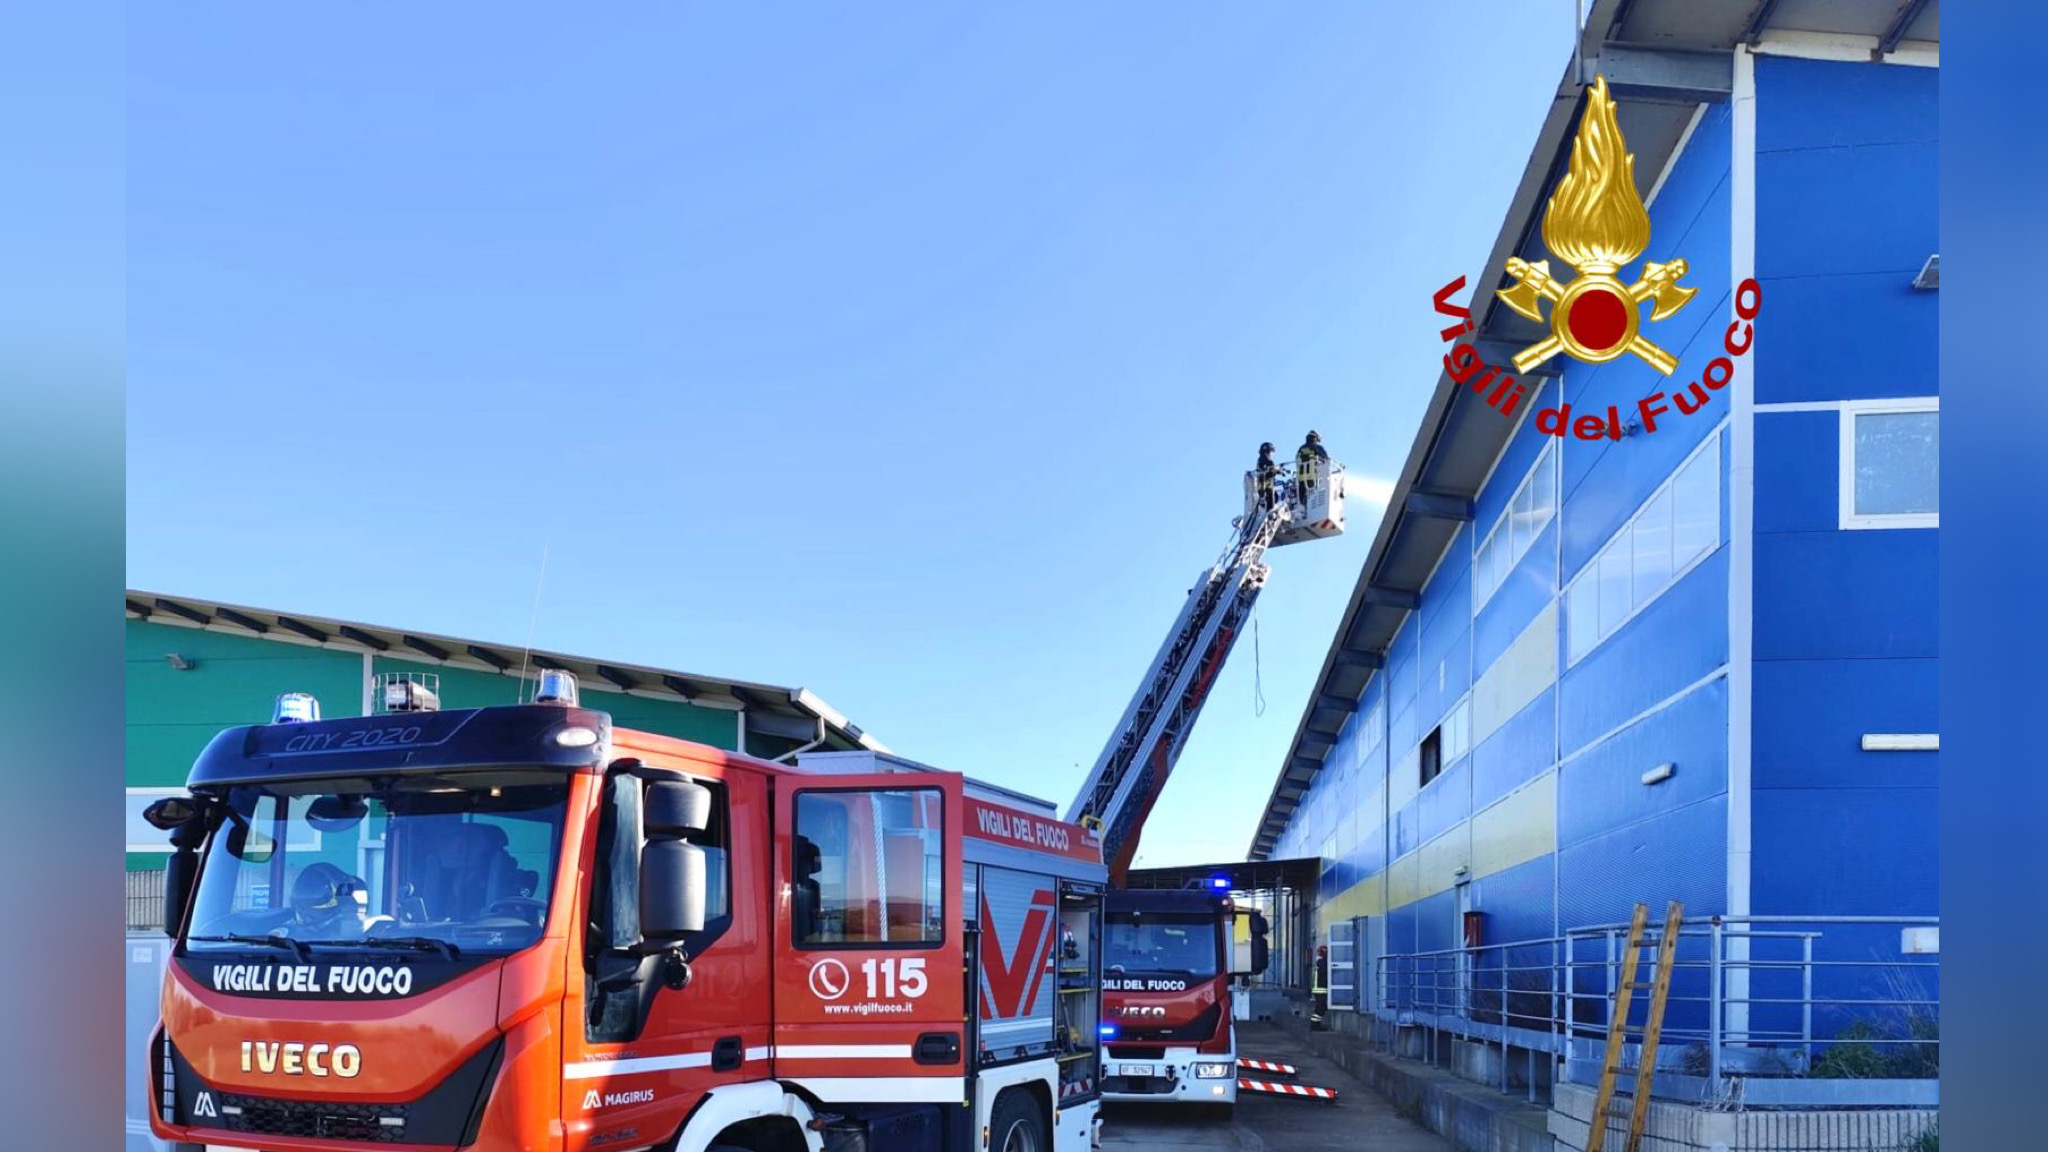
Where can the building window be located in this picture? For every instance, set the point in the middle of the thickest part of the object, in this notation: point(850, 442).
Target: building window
point(1447, 741)
point(1531, 507)
point(1457, 730)
point(1891, 476)
point(1674, 529)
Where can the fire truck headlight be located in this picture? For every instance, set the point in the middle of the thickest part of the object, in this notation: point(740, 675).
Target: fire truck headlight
point(1211, 1071)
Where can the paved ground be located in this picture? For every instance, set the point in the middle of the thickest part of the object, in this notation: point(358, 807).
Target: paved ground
point(1359, 1121)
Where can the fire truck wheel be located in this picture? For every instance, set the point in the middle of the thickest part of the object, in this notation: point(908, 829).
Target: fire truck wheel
point(1018, 1125)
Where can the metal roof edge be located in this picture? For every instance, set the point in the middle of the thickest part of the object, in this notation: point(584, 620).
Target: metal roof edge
point(1544, 156)
point(801, 701)
point(1603, 32)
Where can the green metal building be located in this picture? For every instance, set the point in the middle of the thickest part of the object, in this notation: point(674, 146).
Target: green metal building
point(198, 666)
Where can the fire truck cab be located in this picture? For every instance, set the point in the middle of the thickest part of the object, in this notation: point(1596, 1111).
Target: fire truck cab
point(522, 928)
point(1168, 956)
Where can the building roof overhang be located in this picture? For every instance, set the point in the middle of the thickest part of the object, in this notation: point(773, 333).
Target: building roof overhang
point(1663, 59)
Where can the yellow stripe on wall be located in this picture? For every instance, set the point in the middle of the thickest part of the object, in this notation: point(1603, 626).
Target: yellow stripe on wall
point(1520, 828)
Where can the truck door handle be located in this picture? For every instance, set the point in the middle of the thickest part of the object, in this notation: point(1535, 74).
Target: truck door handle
point(937, 1048)
point(727, 1054)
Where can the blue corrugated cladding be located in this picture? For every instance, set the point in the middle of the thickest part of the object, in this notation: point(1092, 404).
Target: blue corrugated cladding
point(1843, 628)
point(1845, 632)
point(1516, 752)
point(1592, 717)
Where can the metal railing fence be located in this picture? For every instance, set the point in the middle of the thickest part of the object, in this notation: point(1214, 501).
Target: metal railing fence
point(146, 901)
point(1813, 1010)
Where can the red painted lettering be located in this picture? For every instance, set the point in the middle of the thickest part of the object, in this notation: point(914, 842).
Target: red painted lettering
point(1461, 362)
point(1729, 343)
point(1755, 292)
point(1649, 408)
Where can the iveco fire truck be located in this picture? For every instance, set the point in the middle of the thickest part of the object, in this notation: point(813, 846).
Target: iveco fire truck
point(1168, 969)
point(520, 928)
point(1167, 972)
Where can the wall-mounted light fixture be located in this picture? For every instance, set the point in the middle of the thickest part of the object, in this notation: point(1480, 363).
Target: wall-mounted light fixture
point(1902, 741)
point(180, 662)
point(1660, 773)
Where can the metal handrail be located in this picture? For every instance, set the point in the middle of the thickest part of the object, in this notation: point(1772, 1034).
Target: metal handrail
point(1752, 997)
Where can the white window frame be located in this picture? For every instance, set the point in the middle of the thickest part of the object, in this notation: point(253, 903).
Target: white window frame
point(164, 845)
point(1590, 570)
point(1850, 519)
point(1504, 521)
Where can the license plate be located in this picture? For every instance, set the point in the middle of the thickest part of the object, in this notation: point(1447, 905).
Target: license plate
point(1137, 1070)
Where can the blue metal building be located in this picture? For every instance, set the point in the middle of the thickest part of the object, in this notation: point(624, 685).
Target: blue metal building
point(1696, 662)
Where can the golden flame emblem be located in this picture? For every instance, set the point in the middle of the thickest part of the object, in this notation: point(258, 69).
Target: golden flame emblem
point(1596, 223)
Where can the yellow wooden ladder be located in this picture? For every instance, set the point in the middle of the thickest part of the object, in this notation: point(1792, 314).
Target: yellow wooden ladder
point(1653, 1025)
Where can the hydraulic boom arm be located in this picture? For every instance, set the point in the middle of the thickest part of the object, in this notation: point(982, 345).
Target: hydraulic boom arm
point(1132, 769)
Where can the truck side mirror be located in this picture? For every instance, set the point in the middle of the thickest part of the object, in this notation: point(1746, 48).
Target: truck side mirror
point(672, 890)
point(184, 818)
point(179, 872)
point(676, 808)
point(673, 884)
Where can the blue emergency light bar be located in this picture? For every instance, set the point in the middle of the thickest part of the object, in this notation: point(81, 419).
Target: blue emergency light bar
point(1108, 1031)
point(296, 708)
point(1220, 883)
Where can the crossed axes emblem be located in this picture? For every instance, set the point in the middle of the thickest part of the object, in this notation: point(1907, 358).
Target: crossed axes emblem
point(1533, 284)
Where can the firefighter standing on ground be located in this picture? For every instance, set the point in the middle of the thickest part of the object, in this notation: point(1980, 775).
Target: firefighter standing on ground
point(1320, 990)
point(1311, 462)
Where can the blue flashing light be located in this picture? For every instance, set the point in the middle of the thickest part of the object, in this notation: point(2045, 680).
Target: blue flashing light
point(1108, 1031)
point(556, 687)
point(296, 708)
point(1220, 883)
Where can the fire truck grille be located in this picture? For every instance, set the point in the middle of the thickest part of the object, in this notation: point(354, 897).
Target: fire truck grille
point(322, 1119)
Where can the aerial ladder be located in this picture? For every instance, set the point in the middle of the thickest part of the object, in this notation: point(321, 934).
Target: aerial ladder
point(1131, 771)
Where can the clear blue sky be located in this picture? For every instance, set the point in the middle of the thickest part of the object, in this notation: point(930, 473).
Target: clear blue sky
point(902, 352)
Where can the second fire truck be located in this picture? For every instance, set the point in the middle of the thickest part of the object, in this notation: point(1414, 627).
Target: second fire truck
point(1167, 971)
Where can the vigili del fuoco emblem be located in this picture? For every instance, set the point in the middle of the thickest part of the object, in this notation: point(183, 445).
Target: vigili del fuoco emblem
point(1596, 223)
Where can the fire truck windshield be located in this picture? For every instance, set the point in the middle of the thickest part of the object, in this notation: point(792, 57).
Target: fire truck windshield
point(1182, 943)
point(461, 863)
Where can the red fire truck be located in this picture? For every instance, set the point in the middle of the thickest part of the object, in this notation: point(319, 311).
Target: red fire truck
point(1168, 962)
point(1167, 991)
point(519, 928)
